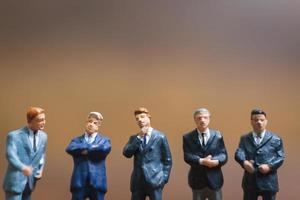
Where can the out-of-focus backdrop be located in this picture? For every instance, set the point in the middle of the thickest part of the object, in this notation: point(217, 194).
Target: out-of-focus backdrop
point(73, 57)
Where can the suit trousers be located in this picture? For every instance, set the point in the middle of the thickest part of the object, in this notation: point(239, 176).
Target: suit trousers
point(254, 194)
point(207, 193)
point(87, 192)
point(153, 194)
point(25, 195)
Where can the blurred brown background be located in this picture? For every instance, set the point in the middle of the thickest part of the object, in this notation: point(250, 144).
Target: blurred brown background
point(73, 57)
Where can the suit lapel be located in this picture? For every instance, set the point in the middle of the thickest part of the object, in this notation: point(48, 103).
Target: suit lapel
point(211, 138)
point(40, 140)
point(151, 140)
point(97, 139)
point(250, 137)
point(26, 141)
point(195, 137)
point(266, 138)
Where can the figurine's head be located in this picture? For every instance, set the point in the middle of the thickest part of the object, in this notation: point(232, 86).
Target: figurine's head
point(93, 122)
point(258, 120)
point(202, 119)
point(36, 118)
point(142, 117)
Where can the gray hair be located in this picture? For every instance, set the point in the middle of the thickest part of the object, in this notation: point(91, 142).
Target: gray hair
point(95, 115)
point(201, 110)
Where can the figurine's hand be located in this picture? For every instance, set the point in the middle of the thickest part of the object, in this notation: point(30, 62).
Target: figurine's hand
point(39, 176)
point(264, 168)
point(143, 131)
point(208, 162)
point(212, 163)
point(84, 152)
point(248, 166)
point(27, 170)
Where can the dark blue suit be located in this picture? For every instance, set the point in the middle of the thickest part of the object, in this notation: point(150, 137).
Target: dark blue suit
point(89, 170)
point(152, 165)
point(201, 176)
point(269, 151)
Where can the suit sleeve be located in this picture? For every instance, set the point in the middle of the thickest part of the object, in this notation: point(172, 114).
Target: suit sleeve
point(101, 149)
point(221, 155)
point(166, 159)
point(76, 147)
point(240, 155)
point(11, 153)
point(279, 158)
point(132, 146)
point(189, 158)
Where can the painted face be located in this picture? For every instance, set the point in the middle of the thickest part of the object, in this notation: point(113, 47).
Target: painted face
point(92, 125)
point(38, 123)
point(259, 123)
point(202, 121)
point(142, 120)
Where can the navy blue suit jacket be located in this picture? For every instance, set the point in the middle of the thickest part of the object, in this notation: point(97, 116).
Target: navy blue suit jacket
point(201, 176)
point(153, 162)
point(269, 151)
point(90, 167)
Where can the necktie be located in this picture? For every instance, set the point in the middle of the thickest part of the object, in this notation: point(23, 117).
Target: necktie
point(34, 141)
point(258, 139)
point(144, 140)
point(203, 140)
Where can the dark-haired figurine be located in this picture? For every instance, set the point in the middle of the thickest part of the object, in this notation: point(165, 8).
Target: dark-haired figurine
point(260, 154)
point(205, 152)
point(89, 152)
point(25, 153)
point(152, 159)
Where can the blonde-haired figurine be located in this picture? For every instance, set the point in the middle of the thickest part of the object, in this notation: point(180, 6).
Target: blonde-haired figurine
point(89, 152)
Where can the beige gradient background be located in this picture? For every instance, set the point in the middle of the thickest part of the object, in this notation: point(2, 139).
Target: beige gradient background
point(73, 57)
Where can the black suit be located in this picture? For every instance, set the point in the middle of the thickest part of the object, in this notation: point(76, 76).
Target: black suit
point(201, 176)
point(152, 165)
point(269, 151)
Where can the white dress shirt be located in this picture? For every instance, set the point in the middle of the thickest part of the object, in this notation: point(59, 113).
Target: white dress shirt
point(90, 138)
point(31, 136)
point(206, 136)
point(147, 135)
point(258, 139)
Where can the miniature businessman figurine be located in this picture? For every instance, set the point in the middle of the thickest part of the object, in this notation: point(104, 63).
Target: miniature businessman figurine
point(89, 152)
point(25, 153)
point(205, 152)
point(152, 159)
point(260, 154)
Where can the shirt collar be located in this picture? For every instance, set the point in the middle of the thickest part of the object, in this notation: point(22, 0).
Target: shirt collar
point(93, 135)
point(206, 133)
point(150, 129)
point(262, 135)
point(30, 131)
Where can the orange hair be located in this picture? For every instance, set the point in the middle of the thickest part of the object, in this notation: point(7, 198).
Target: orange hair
point(141, 110)
point(32, 112)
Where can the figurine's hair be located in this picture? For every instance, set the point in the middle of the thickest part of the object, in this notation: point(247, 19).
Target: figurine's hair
point(201, 110)
point(32, 112)
point(258, 111)
point(141, 110)
point(95, 115)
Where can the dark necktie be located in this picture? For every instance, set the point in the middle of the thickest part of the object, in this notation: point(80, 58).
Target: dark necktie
point(34, 140)
point(203, 141)
point(144, 140)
